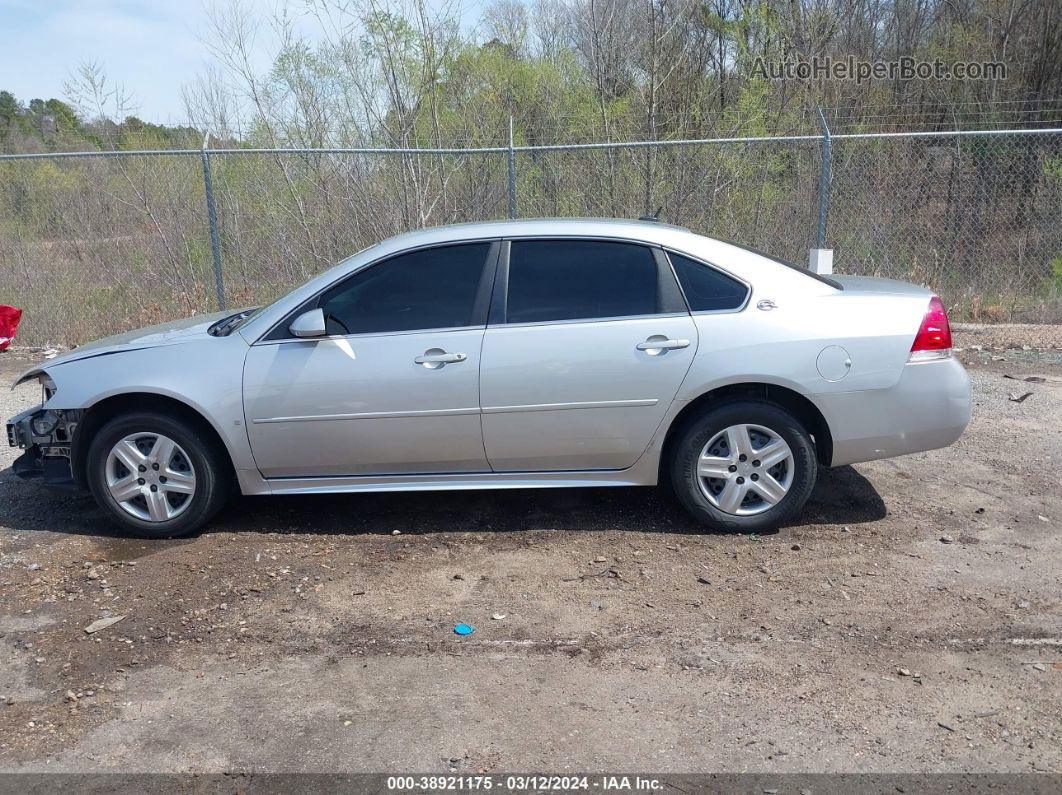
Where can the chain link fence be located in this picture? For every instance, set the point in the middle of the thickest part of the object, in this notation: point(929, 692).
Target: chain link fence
point(978, 218)
point(760, 193)
point(284, 216)
point(94, 243)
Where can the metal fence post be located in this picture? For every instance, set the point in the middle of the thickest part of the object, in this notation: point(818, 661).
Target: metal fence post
point(512, 172)
point(824, 180)
point(212, 219)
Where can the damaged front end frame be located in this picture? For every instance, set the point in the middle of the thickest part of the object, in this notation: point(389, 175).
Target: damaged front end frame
point(46, 435)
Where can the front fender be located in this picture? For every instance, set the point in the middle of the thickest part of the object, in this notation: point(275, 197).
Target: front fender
point(206, 375)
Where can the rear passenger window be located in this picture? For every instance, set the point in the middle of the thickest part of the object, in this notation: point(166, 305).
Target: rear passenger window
point(706, 288)
point(580, 279)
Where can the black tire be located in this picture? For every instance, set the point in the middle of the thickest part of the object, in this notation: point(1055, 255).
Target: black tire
point(213, 482)
point(706, 428)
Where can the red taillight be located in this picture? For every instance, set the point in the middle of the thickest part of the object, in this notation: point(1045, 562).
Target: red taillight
point(934, 334)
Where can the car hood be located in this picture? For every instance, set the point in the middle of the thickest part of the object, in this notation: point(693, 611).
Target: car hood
point(173, 333)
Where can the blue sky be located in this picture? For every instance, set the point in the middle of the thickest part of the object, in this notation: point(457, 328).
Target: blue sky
point(151, 47)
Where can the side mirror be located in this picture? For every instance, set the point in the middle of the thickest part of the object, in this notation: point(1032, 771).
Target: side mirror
point(309, 324)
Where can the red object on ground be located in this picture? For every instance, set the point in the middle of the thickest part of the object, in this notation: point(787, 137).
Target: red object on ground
point(9, 318)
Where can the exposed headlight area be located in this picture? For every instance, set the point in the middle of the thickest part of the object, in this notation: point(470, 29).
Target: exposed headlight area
point(41, 427)
point(45, 434)
point(47, 387)
point(43, 423)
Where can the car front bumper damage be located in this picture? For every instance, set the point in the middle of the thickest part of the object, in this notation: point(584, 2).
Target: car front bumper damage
point(46, 436)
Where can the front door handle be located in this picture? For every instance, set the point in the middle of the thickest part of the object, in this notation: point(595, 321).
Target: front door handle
point(658, 344)
point(434, 358)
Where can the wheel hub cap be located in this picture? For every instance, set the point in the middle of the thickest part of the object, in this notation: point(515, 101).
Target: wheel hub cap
point(150, 477)
point(745, 469)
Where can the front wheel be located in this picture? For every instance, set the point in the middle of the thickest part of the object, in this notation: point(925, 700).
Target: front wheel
point(157, 475)
point(744, 467)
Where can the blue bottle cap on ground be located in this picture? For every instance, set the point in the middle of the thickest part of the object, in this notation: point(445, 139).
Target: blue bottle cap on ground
point(463, 629)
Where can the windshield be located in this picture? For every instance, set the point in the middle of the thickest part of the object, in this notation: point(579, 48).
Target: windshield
point(254, 312)
point(229, 324)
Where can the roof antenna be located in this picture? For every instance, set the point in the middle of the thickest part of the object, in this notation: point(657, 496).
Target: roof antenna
point(654, 217)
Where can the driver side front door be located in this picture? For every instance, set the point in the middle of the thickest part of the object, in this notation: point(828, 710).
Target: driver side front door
point(393, 388)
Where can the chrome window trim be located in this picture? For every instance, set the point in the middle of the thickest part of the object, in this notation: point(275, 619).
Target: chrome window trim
point(370, 334)
point(700, 312)
point(612, 319)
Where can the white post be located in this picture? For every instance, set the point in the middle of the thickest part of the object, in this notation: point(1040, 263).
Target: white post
point(821, 260)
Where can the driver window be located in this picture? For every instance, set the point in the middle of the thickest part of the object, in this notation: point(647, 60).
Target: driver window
point(425, 289)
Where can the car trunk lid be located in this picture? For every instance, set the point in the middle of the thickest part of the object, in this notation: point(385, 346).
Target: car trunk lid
point(879, 286)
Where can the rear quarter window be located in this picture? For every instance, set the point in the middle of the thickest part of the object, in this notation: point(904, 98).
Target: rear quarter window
point(706, 289)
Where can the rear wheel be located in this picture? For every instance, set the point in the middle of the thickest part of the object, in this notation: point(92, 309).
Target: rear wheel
point(157, 475)
point(744, 467)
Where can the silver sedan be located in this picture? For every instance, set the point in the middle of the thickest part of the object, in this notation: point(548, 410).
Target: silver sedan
point(516, 354)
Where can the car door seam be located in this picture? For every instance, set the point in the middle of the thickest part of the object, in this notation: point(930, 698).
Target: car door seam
point(243, 410)
point(675, 397)
point(479, 385)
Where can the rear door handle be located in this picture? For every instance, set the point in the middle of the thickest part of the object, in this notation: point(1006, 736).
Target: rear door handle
point(434, 358)
point(658, 344)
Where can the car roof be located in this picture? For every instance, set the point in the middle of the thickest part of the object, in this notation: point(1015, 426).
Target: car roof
point(651, 231)
point(729, 256)
point(748, 266)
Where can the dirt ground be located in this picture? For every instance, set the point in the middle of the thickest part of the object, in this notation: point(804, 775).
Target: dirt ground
point(910, 621)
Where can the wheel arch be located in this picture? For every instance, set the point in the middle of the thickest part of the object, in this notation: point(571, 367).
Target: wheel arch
point(806, 412)
point(98, 414)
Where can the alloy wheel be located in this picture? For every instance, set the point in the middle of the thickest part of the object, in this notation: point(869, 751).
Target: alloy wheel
point(150, 477)
point(745, 469)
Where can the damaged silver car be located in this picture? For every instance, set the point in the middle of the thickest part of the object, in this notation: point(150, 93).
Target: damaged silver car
point(520, 354)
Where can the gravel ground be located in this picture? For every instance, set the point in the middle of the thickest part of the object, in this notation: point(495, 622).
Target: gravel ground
point(910, 622)
point(1017, 336)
